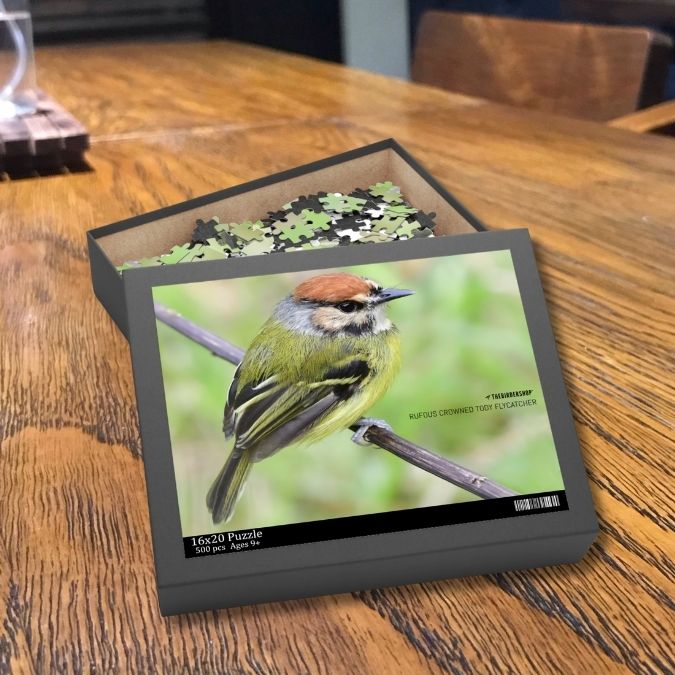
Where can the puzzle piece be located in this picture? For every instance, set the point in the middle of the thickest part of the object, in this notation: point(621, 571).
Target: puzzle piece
point(294, 229)
point(423, 232)
point(246, 231)
point(216, 244)
point(318, 221)
point(347, 223)
point(176, 255)
point(426, 220)
point(387, 191)
point(215, 253)
point(204, 230)
point(353, 204)
point(360, 193)
point(277, 224)
point(388, 223)
point(333, 201)
point(258, 247)
point(212, 250)
point(375, 237)
point(310, 203)
point(306, 220)
point(253, 230)
point(322, 242)
point(376, 211)
point(336, 201)
point(366, 196)
point(226, 237)
point(325, 219)
point(193, 254)
point(379, 189)
point(407, 229)
point(400, 210)
point(353, 235)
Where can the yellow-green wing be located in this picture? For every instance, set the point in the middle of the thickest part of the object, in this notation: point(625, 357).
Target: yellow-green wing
point(268, 413)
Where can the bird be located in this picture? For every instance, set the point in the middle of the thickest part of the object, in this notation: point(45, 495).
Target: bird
point(326, 354)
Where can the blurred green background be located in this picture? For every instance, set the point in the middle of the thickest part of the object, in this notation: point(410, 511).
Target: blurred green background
point(463, 336)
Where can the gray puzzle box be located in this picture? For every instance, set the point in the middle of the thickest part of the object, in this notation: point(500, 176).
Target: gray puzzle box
point(444, 517)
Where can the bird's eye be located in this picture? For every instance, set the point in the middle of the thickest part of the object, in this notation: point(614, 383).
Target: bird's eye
point(348, 306)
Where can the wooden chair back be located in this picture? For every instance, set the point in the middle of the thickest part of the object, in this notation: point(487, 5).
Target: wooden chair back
point(579, 70)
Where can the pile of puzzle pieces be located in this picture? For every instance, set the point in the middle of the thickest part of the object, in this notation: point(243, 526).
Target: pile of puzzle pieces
point(378, 214)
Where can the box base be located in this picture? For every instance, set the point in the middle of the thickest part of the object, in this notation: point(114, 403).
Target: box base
point(347, 577)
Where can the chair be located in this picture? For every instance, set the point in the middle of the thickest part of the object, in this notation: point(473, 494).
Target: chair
point(587, 71)
point(659, 119)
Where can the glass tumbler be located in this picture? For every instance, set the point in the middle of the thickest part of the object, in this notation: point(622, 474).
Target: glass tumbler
point(18, 95)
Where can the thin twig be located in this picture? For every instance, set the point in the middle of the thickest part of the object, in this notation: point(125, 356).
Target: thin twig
point(387, 440)
point(435, 464)
point(213, 343)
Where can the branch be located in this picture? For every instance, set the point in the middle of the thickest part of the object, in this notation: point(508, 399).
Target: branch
point(387, 440)
point(217, 346)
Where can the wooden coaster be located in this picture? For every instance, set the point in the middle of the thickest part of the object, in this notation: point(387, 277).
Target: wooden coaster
point(50, 139)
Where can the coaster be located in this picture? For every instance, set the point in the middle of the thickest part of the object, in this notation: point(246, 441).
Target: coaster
point(49, 139)
point(352, 417)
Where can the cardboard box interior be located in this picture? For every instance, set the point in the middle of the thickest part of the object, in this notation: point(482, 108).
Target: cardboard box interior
point(158, 236)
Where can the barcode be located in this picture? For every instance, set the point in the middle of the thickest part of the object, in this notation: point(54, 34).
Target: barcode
point(530, 503)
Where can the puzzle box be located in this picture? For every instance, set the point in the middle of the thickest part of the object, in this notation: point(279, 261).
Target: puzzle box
point(259, 483)
point(156, 232)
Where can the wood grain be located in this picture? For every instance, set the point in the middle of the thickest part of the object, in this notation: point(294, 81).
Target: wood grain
point(76, 576)
point(131, 88)
point(580, 70)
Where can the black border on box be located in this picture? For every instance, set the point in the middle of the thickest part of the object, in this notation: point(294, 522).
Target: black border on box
point(107, 281)
point(363, 561)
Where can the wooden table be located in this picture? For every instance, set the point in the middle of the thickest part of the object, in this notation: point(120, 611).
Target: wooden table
point(170, 122)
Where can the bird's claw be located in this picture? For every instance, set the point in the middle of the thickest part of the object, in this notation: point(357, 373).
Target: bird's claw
point(364, 424)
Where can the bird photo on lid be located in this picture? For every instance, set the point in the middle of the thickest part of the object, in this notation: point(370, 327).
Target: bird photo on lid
point(326, 355)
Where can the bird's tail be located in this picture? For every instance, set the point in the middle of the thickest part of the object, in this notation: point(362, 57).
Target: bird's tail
point(227, 487)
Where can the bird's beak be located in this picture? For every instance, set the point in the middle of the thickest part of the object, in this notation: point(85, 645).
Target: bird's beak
point(388, 294)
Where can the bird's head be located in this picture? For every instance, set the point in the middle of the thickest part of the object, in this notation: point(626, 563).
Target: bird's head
point(341, 303)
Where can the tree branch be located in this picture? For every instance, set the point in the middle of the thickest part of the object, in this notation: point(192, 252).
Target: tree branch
point(387, 440)
point(217, 346)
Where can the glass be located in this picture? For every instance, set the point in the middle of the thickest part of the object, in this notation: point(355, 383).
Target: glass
point(17, 65)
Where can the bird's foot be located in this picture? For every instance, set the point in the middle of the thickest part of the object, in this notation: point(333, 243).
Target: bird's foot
point(364, 424)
